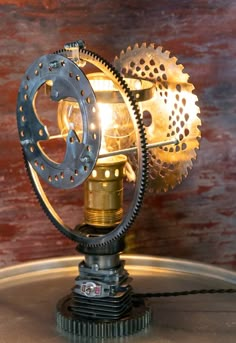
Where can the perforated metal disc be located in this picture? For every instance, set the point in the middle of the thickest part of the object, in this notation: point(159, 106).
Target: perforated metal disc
point(172, 113)
point(67, 81)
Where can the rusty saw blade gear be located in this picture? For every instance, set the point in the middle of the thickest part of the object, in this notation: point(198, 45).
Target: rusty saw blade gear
point(170, 114)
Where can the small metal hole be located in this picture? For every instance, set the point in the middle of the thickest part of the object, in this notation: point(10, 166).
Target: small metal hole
point(178, 87)
point(164, 77)
point(162, 67)
point(94, 173)
point(107, 174)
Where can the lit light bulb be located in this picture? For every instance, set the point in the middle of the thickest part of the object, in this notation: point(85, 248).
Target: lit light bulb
point(106, 119)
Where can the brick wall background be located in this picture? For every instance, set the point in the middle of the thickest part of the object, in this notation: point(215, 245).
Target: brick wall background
point(197, 220)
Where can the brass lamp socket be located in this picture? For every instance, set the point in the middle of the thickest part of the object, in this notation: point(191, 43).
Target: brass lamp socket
point(103, 193)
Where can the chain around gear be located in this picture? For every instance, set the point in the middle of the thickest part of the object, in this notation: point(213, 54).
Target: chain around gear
point(78, 235)
point(171, 114)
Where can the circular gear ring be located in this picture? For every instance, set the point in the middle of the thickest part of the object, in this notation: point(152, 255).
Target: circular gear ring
point(78, 235)
point(138, 319)
point(172, 113)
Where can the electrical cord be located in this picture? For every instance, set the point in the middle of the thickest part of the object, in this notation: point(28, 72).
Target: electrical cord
point(183, 293)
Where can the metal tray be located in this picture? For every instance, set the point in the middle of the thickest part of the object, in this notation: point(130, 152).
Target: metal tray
point(29, 293)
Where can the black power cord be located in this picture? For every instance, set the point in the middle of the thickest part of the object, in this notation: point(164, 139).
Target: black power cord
point(183, 293)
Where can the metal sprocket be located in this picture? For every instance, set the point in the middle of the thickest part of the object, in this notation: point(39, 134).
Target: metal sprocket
point(136, 320)
point(172, 112)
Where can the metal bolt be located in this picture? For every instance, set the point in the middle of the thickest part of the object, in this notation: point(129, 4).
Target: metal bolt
point(56, 94)
point(54, 64)
point(89, 290)
point(79, 43)
point(95, 267)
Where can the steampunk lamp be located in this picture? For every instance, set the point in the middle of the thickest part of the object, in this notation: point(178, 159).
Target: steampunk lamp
point(122, 125)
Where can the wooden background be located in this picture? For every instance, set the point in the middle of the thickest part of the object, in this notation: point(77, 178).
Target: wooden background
point(195, 221)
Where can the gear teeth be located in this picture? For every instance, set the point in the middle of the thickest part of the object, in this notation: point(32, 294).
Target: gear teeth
point(138, 319)
point(171, 86)
point(167, 52)
point(174, 59)
point(142, 175)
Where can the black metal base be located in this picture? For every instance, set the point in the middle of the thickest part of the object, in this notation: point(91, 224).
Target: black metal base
point(113, 307)
point(136, 319)
point(102, 303)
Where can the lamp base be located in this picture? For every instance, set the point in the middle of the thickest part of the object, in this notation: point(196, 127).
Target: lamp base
point(102, 303)
point(136, 319)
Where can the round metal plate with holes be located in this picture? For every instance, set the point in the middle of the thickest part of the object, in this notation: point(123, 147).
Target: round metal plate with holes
point(171, 114)
point(67, 80)
point(29, 294)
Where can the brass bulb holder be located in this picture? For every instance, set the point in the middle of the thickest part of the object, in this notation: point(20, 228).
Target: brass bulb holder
point(103, 193)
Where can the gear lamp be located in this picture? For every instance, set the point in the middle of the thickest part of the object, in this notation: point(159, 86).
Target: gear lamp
point(126, 128)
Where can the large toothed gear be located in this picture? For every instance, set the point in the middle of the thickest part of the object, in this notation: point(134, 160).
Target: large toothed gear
point(137, 319)
point(171, 114)
point(37, 164)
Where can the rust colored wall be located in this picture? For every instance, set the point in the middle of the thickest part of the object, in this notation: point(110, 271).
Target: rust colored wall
point(197, 219)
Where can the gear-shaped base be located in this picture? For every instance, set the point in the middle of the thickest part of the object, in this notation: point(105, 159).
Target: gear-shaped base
point(137, 319)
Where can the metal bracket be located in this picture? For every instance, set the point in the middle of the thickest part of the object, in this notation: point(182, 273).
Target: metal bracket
point(73, 52)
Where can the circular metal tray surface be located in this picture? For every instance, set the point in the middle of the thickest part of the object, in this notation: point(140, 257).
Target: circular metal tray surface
point(29, 293)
